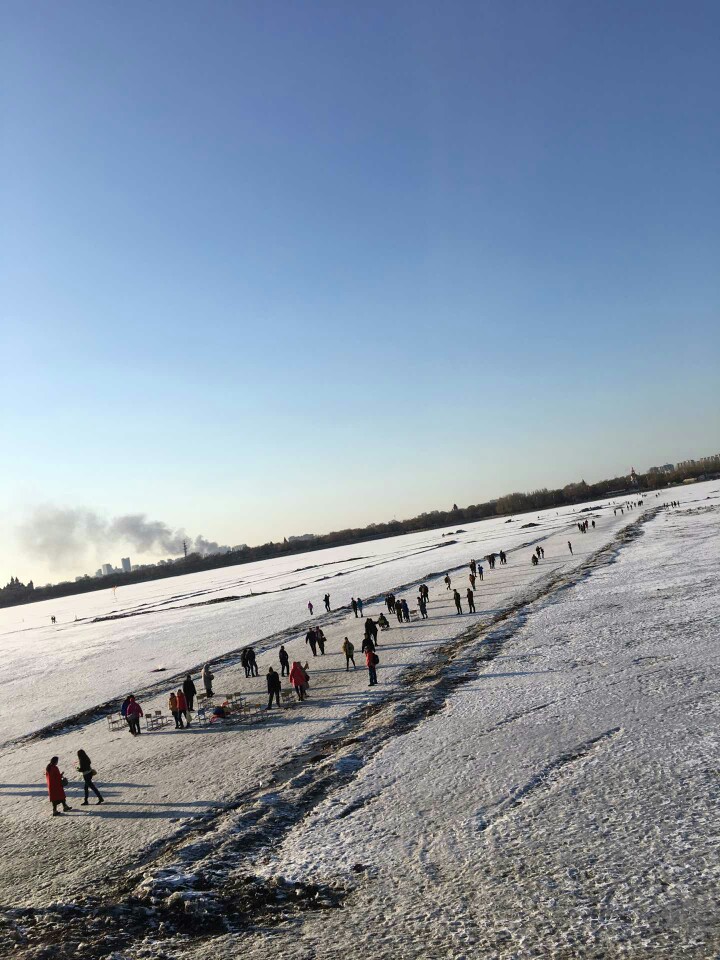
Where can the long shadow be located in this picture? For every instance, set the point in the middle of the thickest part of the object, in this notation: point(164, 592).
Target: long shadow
point(517, 673)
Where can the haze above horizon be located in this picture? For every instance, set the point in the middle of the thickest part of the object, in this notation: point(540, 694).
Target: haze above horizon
point(270, 269)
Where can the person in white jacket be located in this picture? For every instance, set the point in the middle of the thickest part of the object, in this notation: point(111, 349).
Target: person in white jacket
point(207, 678)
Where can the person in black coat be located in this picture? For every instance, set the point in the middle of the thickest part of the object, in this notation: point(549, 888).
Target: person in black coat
point(86, 769)
point(251, 662)
point(284, 658)
point(367, 643)
point(274, 685)
point(189, 691)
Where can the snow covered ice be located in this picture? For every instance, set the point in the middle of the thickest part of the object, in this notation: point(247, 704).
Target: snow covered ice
point(538, 780)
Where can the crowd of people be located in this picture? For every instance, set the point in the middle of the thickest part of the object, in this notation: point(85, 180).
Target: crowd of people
point(181, 701)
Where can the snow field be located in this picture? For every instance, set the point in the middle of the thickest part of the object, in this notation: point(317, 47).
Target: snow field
point(51, 672)
point(157, 783)
point(564, 803)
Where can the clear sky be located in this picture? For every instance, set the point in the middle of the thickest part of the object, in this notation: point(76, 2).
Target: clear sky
point(271, 268)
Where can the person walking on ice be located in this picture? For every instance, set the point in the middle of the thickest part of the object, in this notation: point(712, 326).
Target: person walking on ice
point(297, 679)
point(447, 580)
point(349, 650)
point(359, 606)
point(274, 685)
point(56, 788)
point(570, 548)
point(422, 607)
point(471, 600)
point(183, 706)
point(372, 660)
point(353, 604)
point(86, 769)
point(133, 713)
point(326, 601)
point(310, 607)
point(284, 662)
point(456, 598)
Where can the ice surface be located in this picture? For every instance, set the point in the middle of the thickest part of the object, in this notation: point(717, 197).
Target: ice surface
point(544, 786)
point(48, 672)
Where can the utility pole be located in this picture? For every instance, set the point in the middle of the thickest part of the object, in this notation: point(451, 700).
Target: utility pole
point(185, 548)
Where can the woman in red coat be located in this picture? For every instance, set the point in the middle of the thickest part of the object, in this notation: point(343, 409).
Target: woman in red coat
point(182, 706)
point(297, 679)
point(56, 790)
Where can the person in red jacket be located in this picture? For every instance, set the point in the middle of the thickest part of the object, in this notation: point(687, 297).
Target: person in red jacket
point(297, 679)
point(371, 659)
point(132, 715)
point(56, 789)
point(182, 706)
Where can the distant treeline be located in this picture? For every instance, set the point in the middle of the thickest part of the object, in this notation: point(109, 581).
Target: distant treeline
point(16, 592)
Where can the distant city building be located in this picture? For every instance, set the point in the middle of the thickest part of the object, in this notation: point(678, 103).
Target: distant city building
point(304, 537)
point(685, 463)
point(126, 565)
point(99, 573)
point(106, 569)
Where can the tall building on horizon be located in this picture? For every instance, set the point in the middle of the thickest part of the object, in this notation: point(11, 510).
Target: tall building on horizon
point(107, 569)
point(126, 565)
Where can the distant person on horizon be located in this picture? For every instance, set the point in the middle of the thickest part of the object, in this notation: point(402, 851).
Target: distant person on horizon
point(207, 678)
point(284, 662)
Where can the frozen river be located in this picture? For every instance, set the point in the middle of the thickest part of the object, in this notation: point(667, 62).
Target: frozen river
point(534, 779)
point(49, 672)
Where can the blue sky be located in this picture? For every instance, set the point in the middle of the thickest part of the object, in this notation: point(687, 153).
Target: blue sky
point(275, 268)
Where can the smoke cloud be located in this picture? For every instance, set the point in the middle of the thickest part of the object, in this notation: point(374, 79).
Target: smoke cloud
point(63, 535)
